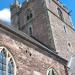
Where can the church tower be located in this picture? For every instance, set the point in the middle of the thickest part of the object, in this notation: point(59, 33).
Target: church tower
point(34, 21)
point(40, 41)
point(47, 21)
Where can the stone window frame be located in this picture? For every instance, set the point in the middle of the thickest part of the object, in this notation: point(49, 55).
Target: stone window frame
point(60, 14)
point(64, 28)
point(30, 31)
point(9, 59)
point(50, 70)
point(29, 14)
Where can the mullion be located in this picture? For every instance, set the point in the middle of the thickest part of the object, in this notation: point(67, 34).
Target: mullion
point(3, 64)
point(10, 66)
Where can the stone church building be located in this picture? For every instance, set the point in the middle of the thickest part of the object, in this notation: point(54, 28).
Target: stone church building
point(40, 40)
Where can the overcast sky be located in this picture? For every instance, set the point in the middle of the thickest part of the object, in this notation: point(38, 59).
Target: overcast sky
point(5, 9)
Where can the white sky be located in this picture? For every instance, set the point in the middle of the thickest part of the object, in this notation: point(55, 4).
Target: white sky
point(5, 15)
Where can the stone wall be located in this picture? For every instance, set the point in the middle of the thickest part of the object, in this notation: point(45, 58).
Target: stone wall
point(30, 59)
point(63, 35)
point(54, 5)
point(40, 22)
point(47, 27)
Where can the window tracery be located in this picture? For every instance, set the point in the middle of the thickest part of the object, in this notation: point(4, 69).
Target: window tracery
point(51, 71)
point(7, 64)
point(29, 14)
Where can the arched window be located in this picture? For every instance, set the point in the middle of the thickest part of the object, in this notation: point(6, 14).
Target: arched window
point(7, 64)
point(29, 14)
point(60, 14)
point(30, 30)
point(51, 71)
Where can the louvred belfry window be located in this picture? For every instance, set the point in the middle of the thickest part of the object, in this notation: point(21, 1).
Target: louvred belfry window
point(29, 14)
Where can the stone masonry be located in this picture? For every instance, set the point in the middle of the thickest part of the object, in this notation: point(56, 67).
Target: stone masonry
point(50, 44)
point(29, 58)
point(47, 27)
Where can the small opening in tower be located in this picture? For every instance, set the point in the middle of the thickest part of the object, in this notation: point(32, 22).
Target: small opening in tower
point(31, 15)
point(27, 17)
point(64, 28)
point(30, 54)
point(30, 31)
point(69, 44)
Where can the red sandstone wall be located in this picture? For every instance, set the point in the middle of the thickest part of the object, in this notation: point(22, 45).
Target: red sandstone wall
point(30, 60)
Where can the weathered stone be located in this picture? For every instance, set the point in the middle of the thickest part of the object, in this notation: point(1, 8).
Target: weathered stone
point(35, 64)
